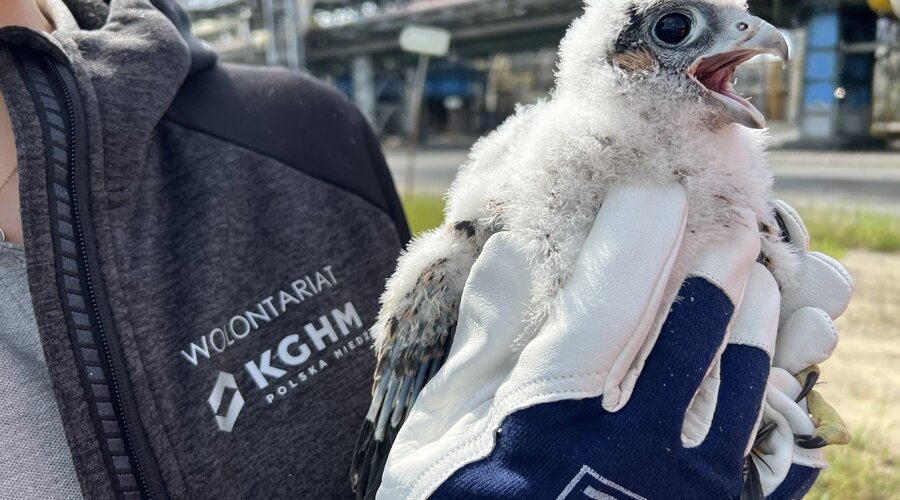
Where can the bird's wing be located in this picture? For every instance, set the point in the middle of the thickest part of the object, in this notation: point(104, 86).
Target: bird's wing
point(414, 334)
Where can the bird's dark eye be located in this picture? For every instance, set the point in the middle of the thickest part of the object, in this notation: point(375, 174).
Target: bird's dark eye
point(673, 28)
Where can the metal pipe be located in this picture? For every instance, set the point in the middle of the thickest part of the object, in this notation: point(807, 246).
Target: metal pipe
point(418, 92)
point(272, 57)
point(291, 35)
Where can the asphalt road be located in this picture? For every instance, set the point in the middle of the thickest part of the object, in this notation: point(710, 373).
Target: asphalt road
point(867, 180)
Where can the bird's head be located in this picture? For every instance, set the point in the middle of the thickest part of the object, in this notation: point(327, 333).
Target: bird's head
point(684, 52)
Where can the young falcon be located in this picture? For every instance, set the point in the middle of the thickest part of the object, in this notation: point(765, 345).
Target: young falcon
point(643, 95)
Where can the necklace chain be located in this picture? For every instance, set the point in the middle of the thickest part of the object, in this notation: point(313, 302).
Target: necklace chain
point(9, 177)
point(2, 187)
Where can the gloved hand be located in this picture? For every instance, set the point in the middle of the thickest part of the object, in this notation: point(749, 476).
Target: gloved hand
point(558, 437)
point(815, 292)
point(787, 454)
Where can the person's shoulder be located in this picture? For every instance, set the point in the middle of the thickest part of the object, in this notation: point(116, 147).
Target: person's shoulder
point(292, 118)
point(258, 107)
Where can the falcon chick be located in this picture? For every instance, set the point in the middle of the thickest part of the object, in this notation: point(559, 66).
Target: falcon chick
point(643, 95)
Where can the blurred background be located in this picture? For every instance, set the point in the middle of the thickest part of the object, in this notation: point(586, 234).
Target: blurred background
point(834, 116)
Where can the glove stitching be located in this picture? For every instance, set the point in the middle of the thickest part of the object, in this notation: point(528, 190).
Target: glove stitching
point(763, 346)
point(834, 266)
point(810, 460)
point(493, 417)
point(702, 273)
point(828, 321)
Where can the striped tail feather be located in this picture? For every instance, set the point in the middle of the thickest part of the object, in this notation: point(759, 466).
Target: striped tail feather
point(413, 336)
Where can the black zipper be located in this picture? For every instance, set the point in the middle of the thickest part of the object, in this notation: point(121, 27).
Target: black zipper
point(86, 270)
point(100, 362)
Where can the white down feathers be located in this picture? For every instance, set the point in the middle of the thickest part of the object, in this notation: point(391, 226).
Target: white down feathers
point(544, 173)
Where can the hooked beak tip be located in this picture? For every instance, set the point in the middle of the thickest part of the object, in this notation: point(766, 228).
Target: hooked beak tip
point(768, 39)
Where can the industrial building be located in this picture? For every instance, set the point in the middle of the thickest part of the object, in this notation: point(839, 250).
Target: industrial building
point(842, 88)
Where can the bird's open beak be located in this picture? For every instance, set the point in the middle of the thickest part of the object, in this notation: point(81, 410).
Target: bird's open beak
point(746, 38)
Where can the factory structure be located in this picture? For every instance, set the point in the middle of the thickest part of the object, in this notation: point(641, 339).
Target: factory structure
point(841, 89)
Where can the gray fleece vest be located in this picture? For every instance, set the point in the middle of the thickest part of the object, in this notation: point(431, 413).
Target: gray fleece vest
point(205, 248)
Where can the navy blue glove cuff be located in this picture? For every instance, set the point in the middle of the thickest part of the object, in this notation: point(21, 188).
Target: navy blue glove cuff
point(799, 481)
point(574, 449)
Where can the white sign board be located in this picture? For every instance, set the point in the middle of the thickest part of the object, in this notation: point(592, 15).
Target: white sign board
point(425, 40)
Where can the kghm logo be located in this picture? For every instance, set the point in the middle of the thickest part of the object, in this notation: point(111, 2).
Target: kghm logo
point(225, 383)
point(589, 484)
point(294, 361)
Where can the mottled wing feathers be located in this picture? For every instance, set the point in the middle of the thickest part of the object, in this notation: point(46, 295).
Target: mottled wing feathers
point(394, 395)
point(416, 329)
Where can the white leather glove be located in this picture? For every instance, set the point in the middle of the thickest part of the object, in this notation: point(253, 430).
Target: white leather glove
point(814, 294)
point(788, 455)
point(605, 322)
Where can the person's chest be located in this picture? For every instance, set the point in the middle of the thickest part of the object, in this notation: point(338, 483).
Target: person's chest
point(10, 221)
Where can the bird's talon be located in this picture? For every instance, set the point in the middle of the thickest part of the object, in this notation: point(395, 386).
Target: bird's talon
point(808, 379)
point(812, 443)
point(830, 427)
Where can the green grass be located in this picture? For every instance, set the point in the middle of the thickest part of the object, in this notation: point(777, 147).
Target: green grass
point(423, 212)
point(834, 231)
point(866, 469)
